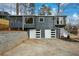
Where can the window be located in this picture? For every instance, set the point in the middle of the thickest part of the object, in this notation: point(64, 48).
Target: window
point(60, 20)
point(57, 21)
point(41, 19)
point(29, 20)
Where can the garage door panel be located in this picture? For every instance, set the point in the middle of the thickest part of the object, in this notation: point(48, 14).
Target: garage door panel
point(50, 33)
point(32, 33)
point(35, 33)
point(47, 33)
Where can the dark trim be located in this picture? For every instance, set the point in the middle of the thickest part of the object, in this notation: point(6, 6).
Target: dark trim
point(36, 16)
point(60, 26)
point(28, 33)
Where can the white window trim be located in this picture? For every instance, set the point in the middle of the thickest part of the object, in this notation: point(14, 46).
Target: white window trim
point(30, 17)
point(40, 21)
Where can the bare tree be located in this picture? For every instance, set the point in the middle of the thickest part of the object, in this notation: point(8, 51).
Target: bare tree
point(17, 8)
point(64, 7)
point(27, 8)
point(45, 10)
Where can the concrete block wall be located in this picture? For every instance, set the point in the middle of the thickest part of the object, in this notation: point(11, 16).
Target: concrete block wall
point(9, 40)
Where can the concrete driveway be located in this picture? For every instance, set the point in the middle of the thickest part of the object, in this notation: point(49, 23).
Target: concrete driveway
point(45, 47)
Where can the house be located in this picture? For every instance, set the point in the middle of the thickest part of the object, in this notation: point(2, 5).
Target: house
point(38, 26)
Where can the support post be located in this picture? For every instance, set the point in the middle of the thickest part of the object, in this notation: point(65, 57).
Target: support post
point(23, 21)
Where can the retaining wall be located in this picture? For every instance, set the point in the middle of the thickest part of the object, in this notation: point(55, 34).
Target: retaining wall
point(9, 40)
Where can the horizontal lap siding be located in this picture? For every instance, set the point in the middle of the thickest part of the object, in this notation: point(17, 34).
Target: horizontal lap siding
point(16, 22)
point(58, 33)
point(16, 25)
point(42, 33)
point(47, 24)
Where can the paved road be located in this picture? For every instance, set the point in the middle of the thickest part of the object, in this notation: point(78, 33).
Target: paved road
point(44, 47)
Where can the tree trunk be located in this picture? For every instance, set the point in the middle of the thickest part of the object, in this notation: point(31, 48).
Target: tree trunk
point(17, 8)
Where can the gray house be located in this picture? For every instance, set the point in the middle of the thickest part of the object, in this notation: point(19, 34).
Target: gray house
point(39, 26)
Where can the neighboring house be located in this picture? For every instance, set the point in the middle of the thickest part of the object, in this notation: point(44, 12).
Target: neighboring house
point(39, 26)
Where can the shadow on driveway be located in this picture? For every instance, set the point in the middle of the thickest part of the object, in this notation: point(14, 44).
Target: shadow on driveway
point(70, 40)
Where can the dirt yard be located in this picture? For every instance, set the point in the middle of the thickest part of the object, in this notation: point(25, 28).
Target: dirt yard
point(45, 47)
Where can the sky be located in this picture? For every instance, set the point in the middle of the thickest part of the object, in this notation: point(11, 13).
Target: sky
point(68, 9)
point(51, 5)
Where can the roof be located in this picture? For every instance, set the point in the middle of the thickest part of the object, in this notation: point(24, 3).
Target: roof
point(6, 13)
point(37, 16)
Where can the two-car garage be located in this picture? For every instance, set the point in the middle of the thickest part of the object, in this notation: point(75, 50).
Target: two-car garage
point(47, 33)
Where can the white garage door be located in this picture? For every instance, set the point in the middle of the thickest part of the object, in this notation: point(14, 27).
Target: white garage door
point(50, 33)
point(35, 33)
point(47, 33)
point(32, 33)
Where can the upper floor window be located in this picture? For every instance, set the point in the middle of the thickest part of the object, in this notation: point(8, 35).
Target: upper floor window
point(57, 21)
point(41, 19)
point(29, 20)
point(60, 20)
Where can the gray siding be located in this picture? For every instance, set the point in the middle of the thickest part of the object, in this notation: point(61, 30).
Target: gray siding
point(16, 25)
point(42, 33)
point(29, 26)
point(57, 33)
point(47, 24)
point(16, 22)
